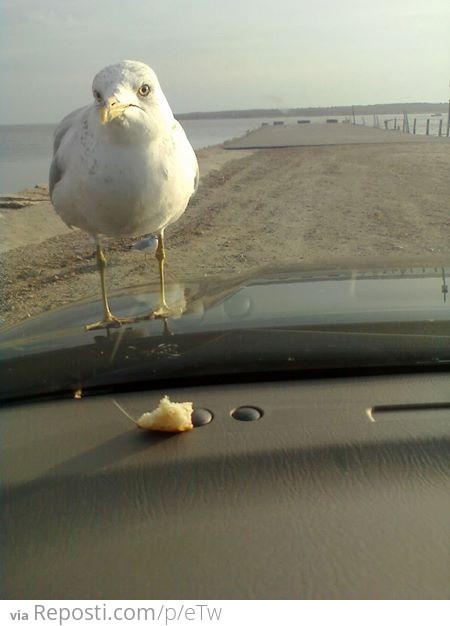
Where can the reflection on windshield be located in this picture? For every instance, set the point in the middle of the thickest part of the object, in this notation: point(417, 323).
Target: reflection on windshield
point(289, 322)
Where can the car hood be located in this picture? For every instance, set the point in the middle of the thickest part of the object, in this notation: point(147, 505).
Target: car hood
point(286, 320)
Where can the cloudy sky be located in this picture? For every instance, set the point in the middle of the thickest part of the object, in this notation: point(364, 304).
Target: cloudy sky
point(233, 54)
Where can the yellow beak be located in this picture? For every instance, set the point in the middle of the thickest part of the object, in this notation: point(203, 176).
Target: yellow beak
point(111, 110)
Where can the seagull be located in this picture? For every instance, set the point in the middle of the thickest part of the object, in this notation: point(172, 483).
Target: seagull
point(123, 166)
point(149, 243)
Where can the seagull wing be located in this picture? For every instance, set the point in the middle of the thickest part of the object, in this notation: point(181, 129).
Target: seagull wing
point(196, 179)
point(179, 140)
point(57, 167)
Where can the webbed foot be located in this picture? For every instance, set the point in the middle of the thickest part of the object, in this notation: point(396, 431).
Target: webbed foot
point(110, 322)
point(164, 311)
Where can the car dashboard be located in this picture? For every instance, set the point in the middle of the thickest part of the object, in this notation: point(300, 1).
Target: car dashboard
point(332, 487)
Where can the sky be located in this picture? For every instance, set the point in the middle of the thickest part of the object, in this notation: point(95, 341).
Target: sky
point(216, 55)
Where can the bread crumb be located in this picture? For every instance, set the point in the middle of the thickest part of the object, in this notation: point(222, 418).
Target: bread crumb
point(170, 417)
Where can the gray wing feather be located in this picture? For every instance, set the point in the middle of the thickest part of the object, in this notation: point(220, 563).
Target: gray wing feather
point(55, 175)
point(196, 179)
point(178, 127)
point(56, 168)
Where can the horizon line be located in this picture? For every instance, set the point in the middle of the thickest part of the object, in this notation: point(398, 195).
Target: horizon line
point(276, 110)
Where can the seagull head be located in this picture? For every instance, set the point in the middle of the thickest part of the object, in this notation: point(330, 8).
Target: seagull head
point(128, 95)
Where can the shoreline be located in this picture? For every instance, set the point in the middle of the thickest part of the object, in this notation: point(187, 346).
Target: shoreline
point(389, 108)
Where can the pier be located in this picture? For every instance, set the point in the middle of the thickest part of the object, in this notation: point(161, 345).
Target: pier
point(294, 135)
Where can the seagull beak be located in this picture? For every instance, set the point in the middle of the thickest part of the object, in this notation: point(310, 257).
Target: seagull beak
point(111, 110)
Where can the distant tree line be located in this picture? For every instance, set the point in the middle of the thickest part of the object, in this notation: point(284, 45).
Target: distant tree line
point(361, 109)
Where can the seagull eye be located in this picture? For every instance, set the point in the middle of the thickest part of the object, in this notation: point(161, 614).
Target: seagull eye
point(144, 90)
point(97, 96)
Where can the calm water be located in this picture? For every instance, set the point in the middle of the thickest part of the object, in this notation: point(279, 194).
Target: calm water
point(26, 151)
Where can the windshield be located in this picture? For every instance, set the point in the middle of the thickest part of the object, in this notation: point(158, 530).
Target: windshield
point(248, 178)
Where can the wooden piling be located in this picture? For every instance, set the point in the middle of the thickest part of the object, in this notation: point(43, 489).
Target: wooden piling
point(448, 120)
point(440, 127)
point(414, 126)
point(428, 126)
point(406, 122)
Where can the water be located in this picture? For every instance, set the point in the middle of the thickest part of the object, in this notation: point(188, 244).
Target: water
point(25, 155)
point(26, 151)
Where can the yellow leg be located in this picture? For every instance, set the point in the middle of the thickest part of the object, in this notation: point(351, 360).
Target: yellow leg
point(163, 309)
point(109, 320)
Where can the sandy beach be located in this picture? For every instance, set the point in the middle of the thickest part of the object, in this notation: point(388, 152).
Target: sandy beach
point(313, 205)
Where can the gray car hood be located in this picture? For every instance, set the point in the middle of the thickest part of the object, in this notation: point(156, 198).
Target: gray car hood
point(272, 321)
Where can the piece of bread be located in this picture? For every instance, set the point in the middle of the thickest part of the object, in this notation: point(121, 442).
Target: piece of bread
point(170, 417)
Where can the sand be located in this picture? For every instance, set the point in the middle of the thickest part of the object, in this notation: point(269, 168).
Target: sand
point(317, 206)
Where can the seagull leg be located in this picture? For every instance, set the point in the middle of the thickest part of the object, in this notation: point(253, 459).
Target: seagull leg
point(163, 310)
point(109, 320)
